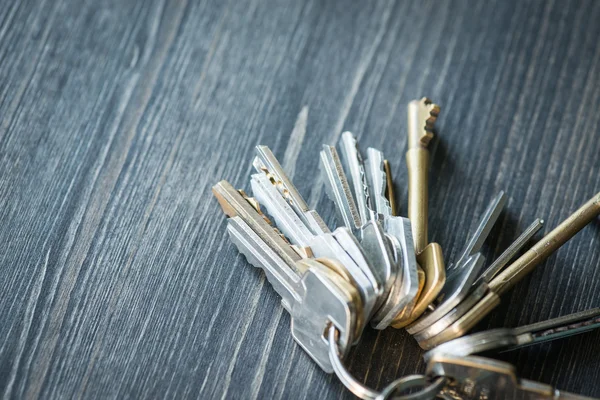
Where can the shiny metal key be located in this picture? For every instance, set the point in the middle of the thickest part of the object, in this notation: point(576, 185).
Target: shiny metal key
point(513, 338)
point(475, 378)
point(391, 253)
point(353, 164)
point(311, 292)
point(266, 162)
point(398, 231)
point(461, 275)
point(516, 271)
point(338, 245)
point(428, 327)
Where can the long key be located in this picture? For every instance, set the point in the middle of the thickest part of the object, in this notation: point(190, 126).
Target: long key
point(422, 115)
point(519, 269)
point(461, 275)
point(426, 328)
point(510, 339)
point(313, 295)
point(473, 378)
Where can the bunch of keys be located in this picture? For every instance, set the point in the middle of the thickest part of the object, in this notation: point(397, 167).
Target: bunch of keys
point(377, 267)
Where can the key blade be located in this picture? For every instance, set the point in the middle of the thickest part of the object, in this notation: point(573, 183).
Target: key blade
point(557, 328)
point(235, 204)
point(266, 162)
point(280, 210)
point(455, 290)
point(487, 222)
point(284, 278)
point(338, 189)
point(511, 251)
point(478, 378)
point(353, 163)
point(377, 181)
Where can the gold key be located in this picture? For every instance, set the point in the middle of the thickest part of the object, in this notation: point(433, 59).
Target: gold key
point(422, 115)
point(518, 270)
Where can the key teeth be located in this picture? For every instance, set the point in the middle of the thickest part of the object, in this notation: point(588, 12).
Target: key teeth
point(427, 114)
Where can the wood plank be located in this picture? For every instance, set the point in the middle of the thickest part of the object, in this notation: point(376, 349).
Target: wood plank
point(117, 277)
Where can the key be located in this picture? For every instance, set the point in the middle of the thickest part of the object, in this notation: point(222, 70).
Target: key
point(398, 232)
point(422, 115)
point(265, 161)
point(510, 339)
point(427, 327)
point(369, 185)
point(370, 232)
point(312, 293)
point(517, 270)
point(461, 275)
point(483, 378)
point(325, 244)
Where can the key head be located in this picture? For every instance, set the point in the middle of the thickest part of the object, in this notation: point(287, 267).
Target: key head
point(483, 378)
point(327, 299)
point(422, 115)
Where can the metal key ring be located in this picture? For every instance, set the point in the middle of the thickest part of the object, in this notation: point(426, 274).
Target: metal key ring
point(343, 375)
point(429, 389)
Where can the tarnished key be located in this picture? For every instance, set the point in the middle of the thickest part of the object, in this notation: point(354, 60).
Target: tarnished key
point(421, 118)
point(474, 378)
point(311, 292)
point(461, 275)
point(517, 270)
point(511, 339)
point(426, 327)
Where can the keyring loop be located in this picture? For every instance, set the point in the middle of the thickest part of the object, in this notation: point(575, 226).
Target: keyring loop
point(343, 375)
point(429, 389)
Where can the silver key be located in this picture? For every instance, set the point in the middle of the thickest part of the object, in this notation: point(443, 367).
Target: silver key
point(353, 163)
point(462, 274)
point(266, 162)
point(312, 294)
point(432, 324)
point(511, 339)
point(325, 244)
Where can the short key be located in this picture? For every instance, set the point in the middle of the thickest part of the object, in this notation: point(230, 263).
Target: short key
point(314, 296)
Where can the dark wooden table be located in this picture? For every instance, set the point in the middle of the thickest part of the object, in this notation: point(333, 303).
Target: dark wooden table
point(116, 117)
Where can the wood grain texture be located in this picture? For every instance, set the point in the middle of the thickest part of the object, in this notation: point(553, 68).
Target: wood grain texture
point(117, 278)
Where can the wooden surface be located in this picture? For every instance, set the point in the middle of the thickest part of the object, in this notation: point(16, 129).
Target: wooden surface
point(116, 117)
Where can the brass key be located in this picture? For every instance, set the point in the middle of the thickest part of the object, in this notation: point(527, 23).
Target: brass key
point(422, 115)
